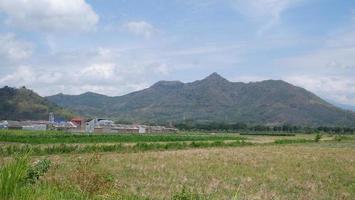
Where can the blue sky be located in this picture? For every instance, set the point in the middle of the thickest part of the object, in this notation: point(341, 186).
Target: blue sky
point(115, 47)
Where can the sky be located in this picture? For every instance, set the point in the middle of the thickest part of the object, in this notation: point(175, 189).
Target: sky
point(114, 47)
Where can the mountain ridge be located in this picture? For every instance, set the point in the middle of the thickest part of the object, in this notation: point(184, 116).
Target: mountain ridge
point(213, 99)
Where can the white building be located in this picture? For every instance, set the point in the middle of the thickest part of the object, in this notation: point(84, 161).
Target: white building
point(4, 125)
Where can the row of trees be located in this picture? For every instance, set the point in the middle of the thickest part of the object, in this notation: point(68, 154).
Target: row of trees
point(246, 127)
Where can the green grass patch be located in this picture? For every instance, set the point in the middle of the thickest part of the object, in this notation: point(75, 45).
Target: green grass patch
point(138, 147)
point(268, 133)
point(293, 141)
point(58, 137)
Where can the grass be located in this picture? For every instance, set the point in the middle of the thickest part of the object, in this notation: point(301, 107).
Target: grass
point(18, 178)
point(268, 133)
point(119, 148)
point(59, 137)
point(12, 177)
point(302, 171)
point(293, 141)
point(295, 167)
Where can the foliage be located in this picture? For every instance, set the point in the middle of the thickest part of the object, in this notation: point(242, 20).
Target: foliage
point(39, 169)
point(317, 137)
point(245, 128)
point(24, 104)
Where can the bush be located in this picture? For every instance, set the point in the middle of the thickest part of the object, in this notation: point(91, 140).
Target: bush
point(318, 137)
point(38, 170)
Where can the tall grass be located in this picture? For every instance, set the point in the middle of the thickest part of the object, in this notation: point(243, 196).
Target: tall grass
point(12, 177)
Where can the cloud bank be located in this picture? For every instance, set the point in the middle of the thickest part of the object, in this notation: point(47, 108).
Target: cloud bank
point(49, 15)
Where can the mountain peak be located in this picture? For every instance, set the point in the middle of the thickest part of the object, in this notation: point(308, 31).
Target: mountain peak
point(215, 77)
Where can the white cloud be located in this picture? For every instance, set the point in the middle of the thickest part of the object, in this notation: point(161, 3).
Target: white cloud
point(22, 76)
point(337, 52)
point(264, 8)
point(49, 15)
point(337, 88)
point(336, 58)
point(99, 71)
point(13, 49)
point(248, 78)
point(140, 28)
point(266, 12)
point(106, 71)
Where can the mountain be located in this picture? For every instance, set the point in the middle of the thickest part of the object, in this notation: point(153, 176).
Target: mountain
point(346, 107)
point(343, 106)
point(24, 104)
point(213, 99)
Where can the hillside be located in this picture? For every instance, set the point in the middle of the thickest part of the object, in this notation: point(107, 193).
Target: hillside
point(213, 99)
point(24, 104)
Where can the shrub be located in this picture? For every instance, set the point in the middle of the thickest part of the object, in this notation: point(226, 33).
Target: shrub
point(38, 170)
point(318, 137)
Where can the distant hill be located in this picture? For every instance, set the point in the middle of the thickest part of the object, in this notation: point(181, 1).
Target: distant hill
point(24, 104)
point(213, 99)
point(343, 106)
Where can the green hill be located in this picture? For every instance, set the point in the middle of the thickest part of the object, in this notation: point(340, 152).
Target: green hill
point(213, 99)
point(24, 104)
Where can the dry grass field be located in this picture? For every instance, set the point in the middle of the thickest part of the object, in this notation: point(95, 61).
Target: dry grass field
point(262, 170)
point(305, 171)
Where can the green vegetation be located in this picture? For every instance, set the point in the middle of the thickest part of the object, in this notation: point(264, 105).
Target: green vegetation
point(295, 141)
point(24, 104)
point(38, 170)
point(261, 129)
point(18, 178)
point(119, 148)
point(12, 177)
point(268, 133)
point(318, 137)
point(54, 137)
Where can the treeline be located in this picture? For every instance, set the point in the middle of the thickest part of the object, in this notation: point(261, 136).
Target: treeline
point(260, 128)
